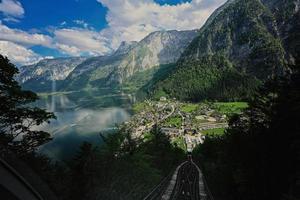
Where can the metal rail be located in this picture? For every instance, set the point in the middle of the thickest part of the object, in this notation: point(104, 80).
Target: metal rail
point(187, 183)
point(190, 184)
point(210, 196)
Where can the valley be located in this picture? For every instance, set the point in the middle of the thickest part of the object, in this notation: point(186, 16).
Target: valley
point(164, 100)
point(186, 124)
point(82, 117)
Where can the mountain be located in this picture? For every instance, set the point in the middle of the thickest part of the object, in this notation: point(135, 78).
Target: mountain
point(125, 47)
point(39, 76)
point(242, 44)
point(158, 48)
point(130, 59)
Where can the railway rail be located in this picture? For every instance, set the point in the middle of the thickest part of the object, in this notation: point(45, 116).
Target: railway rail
point(187, 183)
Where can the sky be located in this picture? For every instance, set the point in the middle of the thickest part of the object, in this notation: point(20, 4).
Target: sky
point(31, 30)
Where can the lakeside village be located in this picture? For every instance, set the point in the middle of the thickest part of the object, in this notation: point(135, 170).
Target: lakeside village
point(186, 124)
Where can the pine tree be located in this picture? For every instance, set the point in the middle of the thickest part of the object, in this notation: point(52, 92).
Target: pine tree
point(17, 117)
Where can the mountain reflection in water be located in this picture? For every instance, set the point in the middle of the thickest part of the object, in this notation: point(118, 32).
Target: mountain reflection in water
point(75, 125)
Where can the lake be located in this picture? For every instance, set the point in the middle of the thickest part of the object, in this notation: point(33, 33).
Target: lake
point(81, 119)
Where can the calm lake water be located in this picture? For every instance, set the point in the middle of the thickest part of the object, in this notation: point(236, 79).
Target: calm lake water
point(77, 122)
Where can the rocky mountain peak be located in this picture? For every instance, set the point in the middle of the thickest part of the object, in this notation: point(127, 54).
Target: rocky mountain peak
point(158, 48)
point(125, 47)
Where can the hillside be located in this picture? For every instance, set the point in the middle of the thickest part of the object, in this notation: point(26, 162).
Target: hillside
point(130, 59)
point(242, 44)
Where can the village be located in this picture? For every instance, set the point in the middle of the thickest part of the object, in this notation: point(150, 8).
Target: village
point(186, 124)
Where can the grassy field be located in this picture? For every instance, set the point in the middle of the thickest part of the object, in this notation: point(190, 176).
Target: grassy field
point(230, 107)
point(189, 108)
point(147, 136)
point(173, 121)
point(216, 131)
point(138, 107)
point(222, 107)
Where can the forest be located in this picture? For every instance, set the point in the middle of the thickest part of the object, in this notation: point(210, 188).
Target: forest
point(258, 156)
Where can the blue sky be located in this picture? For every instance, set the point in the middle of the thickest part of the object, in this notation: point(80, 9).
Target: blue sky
point(31, 30)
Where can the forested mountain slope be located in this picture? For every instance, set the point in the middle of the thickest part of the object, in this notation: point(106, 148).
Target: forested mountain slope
point(242, 44)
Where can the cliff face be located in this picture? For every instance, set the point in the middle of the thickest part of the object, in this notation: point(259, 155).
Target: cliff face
point(158, 48)
point(251, 34)
point(245, 39)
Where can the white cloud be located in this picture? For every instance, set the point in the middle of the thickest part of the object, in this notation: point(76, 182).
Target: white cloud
point(75, 41)
point(12, 9)
point(18, 54)
point(67, 49)
point(23, 38)
point(71, 41)
point(11, 19)
point(63, 23)
point(134, 19)
point(128, 20)
point(81, 23)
